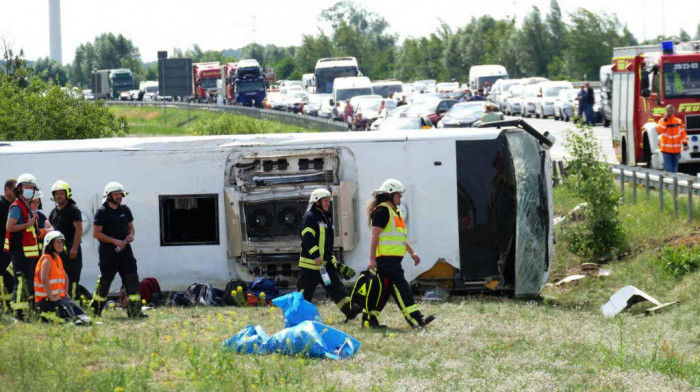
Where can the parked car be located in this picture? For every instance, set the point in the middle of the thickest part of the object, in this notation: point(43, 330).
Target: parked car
point(563, 104)
point(326, 107)
point(425, 86)
point(433, 109)
point(404, 122)
point(87, 94)
point(548, 92)
point(393, 113)
point(296, 99)
point(465, 114)
point(499, 91)
point(529, 100)
point(370, 108)
point(446, 87)
point(277, 101)
point(313, 105)
point(511, 100)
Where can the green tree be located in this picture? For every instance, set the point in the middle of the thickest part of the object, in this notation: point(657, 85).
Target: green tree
point(43, 112)
point(534, 41)
point(14, 67)
point(311, 49)
point(107, 51)
point(51, 70)
point(582, 56)
point(684, 36)
point(697, 32)
point(254, 51)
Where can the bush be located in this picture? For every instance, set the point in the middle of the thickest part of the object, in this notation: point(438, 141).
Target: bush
point(600, 233)
point(231, 124)
point(679, 261)
point(44, 112)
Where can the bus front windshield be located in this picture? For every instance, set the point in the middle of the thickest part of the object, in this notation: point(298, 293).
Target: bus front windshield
point(682, 80)
point(325, 77)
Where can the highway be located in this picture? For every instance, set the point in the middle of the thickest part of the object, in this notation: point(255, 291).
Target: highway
point(560, 130)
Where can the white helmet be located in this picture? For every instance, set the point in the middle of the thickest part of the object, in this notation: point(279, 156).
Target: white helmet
point(61, 185)
point(114, 187)
point(318, 194)
point(37, 195)
point(50, 236)
point(390, 186)
point(26, 178)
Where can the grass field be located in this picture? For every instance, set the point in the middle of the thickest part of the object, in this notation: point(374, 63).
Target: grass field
point(483, 343)
point(148, 121)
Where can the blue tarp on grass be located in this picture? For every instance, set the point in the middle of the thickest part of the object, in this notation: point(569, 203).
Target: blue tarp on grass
point(303, 335)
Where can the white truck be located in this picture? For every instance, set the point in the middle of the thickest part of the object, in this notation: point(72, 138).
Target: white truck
point(213, 208)
point(484, 76)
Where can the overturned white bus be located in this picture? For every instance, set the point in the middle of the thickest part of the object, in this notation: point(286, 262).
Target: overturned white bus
point(209, 209)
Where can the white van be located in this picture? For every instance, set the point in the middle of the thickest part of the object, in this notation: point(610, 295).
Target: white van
point(547, 95)
point(307, 82)
point(386, 87)
point(484, 76)
point(150, 90)
point(348, 87)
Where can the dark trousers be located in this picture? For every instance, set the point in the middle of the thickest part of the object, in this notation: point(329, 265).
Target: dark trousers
point(390, 269)
point(111, 264)
point(7, 281)
point(309, 279)
point(58, 311)
point(73, 269)
point(23, 297)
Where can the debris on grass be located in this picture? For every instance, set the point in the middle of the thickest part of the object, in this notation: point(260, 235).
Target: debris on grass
point(626, 297)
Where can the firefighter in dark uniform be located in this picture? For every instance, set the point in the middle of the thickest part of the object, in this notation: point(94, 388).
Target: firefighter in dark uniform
point(23, 244)
point(388, 245)
point(317, 254)
point(7, 279)
point(114, 228)
point(67, 219)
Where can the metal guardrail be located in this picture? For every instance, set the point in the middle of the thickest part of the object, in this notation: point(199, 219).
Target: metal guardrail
point(676, 183)
point(308, 122)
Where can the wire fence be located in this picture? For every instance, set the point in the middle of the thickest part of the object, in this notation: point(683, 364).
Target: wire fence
point(308, 122)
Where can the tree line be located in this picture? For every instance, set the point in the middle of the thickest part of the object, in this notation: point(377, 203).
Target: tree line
point(546, 45)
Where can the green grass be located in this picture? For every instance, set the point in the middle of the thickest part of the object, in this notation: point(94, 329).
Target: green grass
point(148, 121)
point(481, 343)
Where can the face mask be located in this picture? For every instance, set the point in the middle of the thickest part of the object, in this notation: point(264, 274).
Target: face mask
point(28, 193)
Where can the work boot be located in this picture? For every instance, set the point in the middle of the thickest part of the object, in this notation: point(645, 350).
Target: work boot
point(422, 322)
point(371, 322)
point(350, 311)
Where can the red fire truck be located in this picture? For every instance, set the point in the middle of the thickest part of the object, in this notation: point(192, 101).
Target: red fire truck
point(204, 77)
point(645, 80)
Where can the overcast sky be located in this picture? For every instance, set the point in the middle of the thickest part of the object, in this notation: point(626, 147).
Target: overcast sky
point(222, 24)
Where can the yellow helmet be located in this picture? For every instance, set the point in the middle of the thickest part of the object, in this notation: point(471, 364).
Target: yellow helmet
point(61, 185)
point(390, 186)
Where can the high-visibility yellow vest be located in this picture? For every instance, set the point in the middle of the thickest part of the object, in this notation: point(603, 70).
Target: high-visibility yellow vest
point(392, 240)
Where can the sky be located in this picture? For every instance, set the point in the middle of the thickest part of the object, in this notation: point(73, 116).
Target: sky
point(155, 25)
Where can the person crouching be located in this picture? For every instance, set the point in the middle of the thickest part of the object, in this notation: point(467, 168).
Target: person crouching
point(51, 285)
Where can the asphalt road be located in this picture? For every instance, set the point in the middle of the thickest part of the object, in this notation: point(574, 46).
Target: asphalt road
point(560, 130)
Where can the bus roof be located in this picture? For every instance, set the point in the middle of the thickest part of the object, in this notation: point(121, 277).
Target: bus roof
point(332, 62)
point(200, 143)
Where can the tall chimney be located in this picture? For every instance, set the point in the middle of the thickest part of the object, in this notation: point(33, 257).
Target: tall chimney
point(55, 30)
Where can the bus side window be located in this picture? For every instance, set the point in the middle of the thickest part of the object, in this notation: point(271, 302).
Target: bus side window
point(656, 82)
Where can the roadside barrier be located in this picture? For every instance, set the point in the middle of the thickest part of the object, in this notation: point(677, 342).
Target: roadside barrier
point(308, 122)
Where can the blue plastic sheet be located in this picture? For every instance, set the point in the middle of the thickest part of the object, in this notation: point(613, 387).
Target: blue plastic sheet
point(311, 338)
point(296, 309)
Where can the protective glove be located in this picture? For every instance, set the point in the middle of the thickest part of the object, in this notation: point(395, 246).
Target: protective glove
point(345, 272)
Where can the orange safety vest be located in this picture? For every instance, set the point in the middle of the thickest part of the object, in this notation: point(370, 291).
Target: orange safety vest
point(57, 278)
point(30, 244)
point(672, 135)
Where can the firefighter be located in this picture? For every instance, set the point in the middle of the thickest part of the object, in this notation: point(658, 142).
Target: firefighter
point(7, 279)
point(388, 245)
point(671, 137)
point(114, 229)
point(22, 243)
point(317, 254)
point(67, 218)
point(51, 285)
